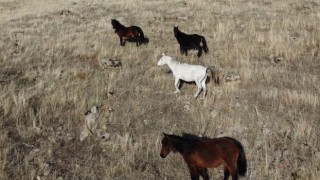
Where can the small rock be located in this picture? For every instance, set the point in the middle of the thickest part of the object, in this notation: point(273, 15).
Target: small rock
point(286, 152)
point(275, 58)
point(183, 18)
point(214, 113)
point(266, 131)
point(105, 136)
point(110, 63)
point(65, 12)
point(46, 169)
point(186, 107)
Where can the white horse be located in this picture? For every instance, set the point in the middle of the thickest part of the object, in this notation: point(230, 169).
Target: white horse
point(187, 72)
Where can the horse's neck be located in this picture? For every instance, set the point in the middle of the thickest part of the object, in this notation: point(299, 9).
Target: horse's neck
point(180, 34)
point(120, 27)
point(183, 146)
point(172, 64)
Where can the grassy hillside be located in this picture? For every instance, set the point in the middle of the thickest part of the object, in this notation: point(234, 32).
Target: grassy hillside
point(50, 75)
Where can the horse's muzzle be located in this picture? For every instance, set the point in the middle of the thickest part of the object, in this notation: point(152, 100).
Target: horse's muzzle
point(163, 155)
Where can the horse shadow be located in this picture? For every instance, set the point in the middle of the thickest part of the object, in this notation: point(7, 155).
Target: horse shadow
point(144, 41)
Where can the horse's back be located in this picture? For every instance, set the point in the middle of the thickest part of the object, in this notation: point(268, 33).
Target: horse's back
point(223, 144)
point(190, 73)
point(189, 39)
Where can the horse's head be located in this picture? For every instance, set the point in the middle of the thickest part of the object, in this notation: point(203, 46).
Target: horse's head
point(114, 23)
point(164, 60)
point(167, 145)
point(175, 30)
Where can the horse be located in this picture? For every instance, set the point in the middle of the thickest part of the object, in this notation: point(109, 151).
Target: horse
point(132, 33)
point(188, 73)
point(190, 41)
point(201, 153)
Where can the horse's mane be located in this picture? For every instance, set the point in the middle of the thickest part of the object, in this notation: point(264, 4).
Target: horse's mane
point(175, 61)
point(116, 24)
point(194, 137)
point(185, 143)
point(178, 31)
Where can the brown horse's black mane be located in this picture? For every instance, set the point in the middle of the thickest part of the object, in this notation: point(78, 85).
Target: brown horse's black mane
point(185, 143)
point(194, 137)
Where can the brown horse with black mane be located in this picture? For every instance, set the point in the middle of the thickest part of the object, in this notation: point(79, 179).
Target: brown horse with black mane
point(132, 33)
point(202, 153)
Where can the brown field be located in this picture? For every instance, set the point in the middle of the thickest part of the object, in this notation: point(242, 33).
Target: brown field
point(50, 75)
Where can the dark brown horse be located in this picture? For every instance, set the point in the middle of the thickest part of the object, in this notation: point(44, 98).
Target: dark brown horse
point(132, 33)
point(190, 41)
point(203, 153)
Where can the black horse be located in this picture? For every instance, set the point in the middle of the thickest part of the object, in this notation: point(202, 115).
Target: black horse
point(132, 33)
point(190, 41)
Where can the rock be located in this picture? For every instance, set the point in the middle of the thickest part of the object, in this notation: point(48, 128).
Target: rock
point(110, 63)
point(46, 169)
point(183, 18)
point(186, 107)
point(214, 113)
point(266, 131)
point(275, 58)
point(90, 123)
point(66, 12)
point(106, 136)
point(59, 178)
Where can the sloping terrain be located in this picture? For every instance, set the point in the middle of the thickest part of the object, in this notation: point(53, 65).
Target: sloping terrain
point(51, 75)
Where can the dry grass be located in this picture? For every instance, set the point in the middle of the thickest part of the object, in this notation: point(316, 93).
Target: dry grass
point(50, 76)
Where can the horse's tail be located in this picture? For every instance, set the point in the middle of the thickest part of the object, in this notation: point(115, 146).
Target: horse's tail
point(215, 75)
point(143, 39)
point(204, 44)
point(242, 161)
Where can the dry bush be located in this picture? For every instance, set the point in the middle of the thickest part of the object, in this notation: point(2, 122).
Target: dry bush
point(50, 75)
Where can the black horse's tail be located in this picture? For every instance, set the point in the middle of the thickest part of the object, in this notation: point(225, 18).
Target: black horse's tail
point(204, 44)
point(242, 161)
point(142, 38)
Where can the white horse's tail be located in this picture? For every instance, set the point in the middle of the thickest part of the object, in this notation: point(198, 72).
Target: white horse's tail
point(216, 75)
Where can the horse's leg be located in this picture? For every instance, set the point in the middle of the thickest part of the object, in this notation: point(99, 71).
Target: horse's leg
point(203, 173)
point(193, 172)
point(199, 51)
point(177, 84)
point(233, 172)
point(186, 51)
point(199, 89)
point(137, 41)
point(121, 41)
point(226, 172)
point(204, 86)
point(181, 50)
